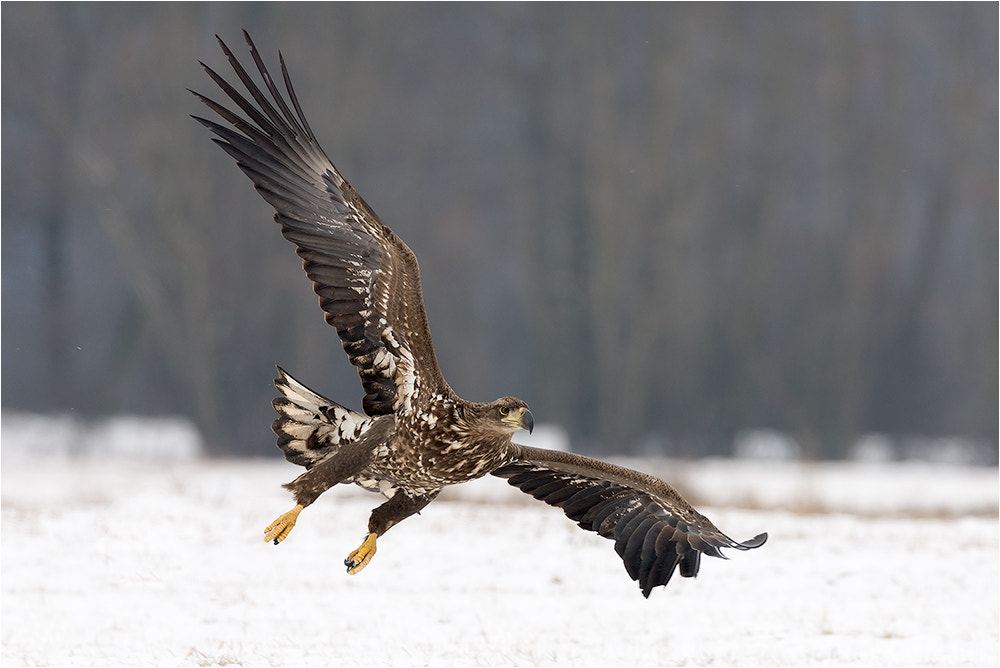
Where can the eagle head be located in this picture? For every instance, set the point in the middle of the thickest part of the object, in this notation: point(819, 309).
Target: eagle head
point(510, 414)
point(497, 419)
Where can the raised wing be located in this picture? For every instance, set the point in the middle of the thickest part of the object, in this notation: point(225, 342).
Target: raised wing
point(366, 278)
point(655, 530)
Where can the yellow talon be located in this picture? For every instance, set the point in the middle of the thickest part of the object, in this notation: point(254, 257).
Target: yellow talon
point(279, 529)
point(360, 557)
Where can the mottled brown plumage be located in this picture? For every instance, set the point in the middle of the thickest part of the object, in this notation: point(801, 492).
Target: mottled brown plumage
point(415, 435)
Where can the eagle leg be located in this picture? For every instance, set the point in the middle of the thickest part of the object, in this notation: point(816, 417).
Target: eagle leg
point(348, 461)
point(360, 557)
point(400, 506)
point(279, 529)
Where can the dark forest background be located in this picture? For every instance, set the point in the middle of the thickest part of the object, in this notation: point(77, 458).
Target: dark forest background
point(656, 223)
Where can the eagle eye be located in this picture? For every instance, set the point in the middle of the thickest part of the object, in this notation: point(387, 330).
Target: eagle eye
point(504, 411)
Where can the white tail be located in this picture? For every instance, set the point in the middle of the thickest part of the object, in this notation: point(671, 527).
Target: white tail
point(310, 427)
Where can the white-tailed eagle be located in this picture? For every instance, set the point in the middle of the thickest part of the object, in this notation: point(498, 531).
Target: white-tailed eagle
point(415, 435)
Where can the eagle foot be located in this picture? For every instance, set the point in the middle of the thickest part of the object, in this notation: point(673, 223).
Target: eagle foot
point(279, 529)
point(360, 557)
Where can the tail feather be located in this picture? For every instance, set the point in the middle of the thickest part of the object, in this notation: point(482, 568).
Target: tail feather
point(310, 427)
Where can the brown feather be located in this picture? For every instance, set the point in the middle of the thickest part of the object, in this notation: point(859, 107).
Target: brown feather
point(420, 435)
point(653, 527)
point(367, 279)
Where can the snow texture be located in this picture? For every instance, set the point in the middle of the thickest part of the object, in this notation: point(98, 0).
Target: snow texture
point(119, 560)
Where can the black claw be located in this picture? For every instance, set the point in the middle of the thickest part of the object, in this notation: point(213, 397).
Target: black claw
point(350, 564)
point(275, 541)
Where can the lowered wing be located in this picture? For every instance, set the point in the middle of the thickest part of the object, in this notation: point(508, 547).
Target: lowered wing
point(655, 530)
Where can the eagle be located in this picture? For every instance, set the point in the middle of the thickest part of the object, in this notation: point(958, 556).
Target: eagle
point(415, 435)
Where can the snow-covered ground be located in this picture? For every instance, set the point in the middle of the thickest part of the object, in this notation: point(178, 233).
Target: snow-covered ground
point(119, 560)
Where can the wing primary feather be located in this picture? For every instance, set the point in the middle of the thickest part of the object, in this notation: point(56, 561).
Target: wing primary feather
point(268, 139)
point(297, 124)
point(756, 541)
point(252, 112)
point(294, 98)
point(274, 120)
point(275, 94)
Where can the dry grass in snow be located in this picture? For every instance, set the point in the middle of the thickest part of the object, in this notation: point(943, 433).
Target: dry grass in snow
point(111, 561)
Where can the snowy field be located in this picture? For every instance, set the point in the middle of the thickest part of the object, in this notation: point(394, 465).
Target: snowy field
point(119, 559)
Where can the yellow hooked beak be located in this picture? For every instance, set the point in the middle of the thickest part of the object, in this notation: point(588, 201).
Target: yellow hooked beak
point(521, 418)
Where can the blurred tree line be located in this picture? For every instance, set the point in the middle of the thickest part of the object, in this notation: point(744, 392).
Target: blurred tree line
point(656, 223)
